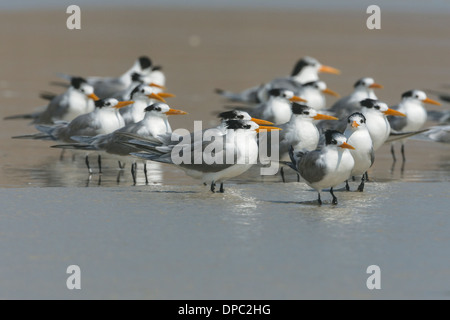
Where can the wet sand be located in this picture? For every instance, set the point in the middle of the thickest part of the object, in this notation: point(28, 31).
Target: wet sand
point(175, 240)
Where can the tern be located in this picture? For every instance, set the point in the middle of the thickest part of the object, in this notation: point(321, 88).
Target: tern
point(154, 123)
point(363, 89)
point(314, 92)
point(325, 167)
point(438, 134)
point(305, 70)
point(77, 100)
point(235, 152)
point(143, 96)
point(277, 109)
point(358, 136)
point(376, 113)
point(107, 87)
point(300, 131)
point(412, 105)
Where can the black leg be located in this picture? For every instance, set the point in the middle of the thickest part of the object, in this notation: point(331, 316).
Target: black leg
point(403, 153)
point(353, 178)
point(393, 153)
point(319, 200)
point(119, 174)
point(99, 180)
point(121, 166)
point(99, 160)
point(282, 174)
point(145, 172)
point(221, 190)
point(334, 197)
point(367, 176)
point(213, 187)
point(86, 160)
point(361, 186)
point(61, 155)
point(133, 172)
point(347, 187)
point(298, 177)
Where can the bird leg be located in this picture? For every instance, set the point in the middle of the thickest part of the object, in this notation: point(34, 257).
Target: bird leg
point(361, 186)
point(86, 160)
point(367, 176)
point(319, 200)
point(213, 187)
point(61, 156)
point(403, 153)
point(298, 177)
point(121, 166)
point(221, 190)
point(347, 187)
point(133, 172)
point(145, 172)
point(393, 153)
point(334, 197)
point(282, 174)
point(99, 160)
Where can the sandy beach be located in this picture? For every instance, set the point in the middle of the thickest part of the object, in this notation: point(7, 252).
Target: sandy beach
point(400, 221)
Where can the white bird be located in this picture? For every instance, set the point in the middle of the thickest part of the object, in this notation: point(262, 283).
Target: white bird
point(143, 96)
point(300, 132)
point(412, 105)
point(358, 136)
point(325, 167)
point(78, 99)
point(363, 89)
point(376, 113)
point(438, 134)
point(103, 120)
point(305, 70)
point(138, 79)
point(216, 161)
point(277, 109)
point(314, 92)
point(107, 87)
point(154, 124)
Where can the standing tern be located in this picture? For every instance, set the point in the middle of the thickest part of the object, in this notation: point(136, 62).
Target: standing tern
point(305, 70)
point(106, 87)
point(238, 145)
point(358, 136)
point(376, 113)
point(277, 109)
point(325, 167)
point(154, 123)
point(412, 105)
point(77, 100)
point(143, 96)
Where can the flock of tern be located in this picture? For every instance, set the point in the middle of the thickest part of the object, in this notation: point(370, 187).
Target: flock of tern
point(126, 118)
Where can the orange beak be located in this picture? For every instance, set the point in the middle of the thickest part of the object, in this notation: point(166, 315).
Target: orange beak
point(331, 92)
point(392, 112)
point(166, 95)
point(328, 69)
point(122, 104)
point(173, 112)
point(355, 124)
point(156, 96)
point(157, 86)
point(93, 97)
point(267, 128)
point(297, 99)
point(324, 117)
point(262, 122)
point(376, 86)
point(431, 101)
point(345, 145)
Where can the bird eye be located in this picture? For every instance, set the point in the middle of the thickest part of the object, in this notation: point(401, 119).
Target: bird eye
point(416, 96)
point(362, 121)
point(377, 107)
point(142, 90)
point(333, 141)
point(158, 109)
point(241, 117)
point(349, 120)
point(82, 90)
point(306, 112)
point(107, 104)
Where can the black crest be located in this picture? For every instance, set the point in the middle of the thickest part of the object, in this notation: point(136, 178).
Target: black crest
point(155, 107)
point(76, 82)
point(100, 103)
point(298, 108)
point(299, 66)
point(331, 135)
point(145, 62)
point(408, 94)
point(237, 124)
point(228, 115)
point(368, 103)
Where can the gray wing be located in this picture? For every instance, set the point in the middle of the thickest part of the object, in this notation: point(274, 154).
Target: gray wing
point(310, 166)
point(108, 87)
point(249, 95)
point(345, 107)
point(284, 83)
point(56, 109)
point(397, 123)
